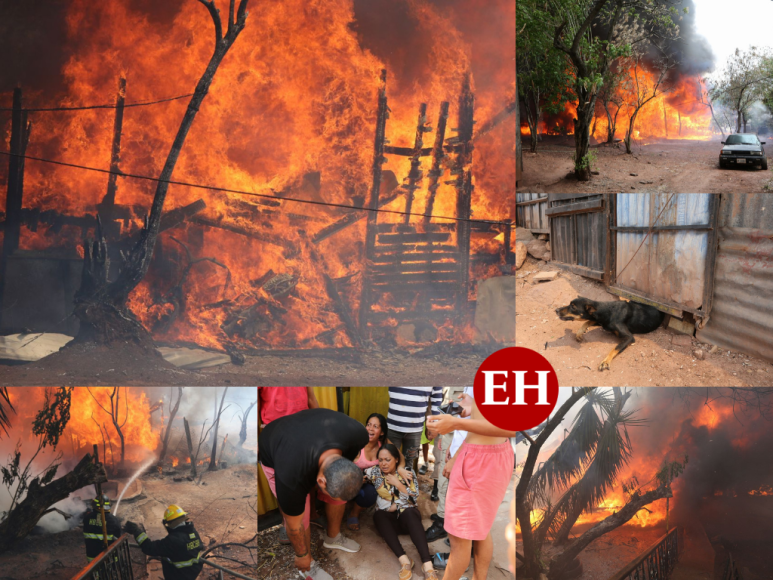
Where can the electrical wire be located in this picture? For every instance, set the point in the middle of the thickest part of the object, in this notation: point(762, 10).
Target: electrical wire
point(255, 194)
point(113, 106)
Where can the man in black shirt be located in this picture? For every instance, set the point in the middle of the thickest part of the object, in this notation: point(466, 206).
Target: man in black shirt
point(312, 448)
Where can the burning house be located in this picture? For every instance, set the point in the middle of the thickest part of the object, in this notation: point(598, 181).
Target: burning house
point(144, 449)
point(332, 194)
point(713, 517)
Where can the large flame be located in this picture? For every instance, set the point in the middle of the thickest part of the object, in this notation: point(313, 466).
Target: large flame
point(90, 423)
point(676, 114)
point(295, 98)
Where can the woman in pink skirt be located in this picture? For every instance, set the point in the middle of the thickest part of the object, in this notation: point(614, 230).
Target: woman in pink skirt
point(481, 471)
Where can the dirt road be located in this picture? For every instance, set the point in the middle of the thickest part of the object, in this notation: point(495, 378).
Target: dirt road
point(674, 166)
point(655, 359)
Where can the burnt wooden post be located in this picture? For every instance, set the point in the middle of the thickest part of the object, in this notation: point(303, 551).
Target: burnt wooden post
point(507, 241)
point(372, 225)
point(437, 158)
point(464, 186)
point(415, 174)
point(20, 133)
point(108, 211)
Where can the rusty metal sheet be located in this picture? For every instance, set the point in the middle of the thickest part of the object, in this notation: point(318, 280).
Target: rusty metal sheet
point(742, 314)
point(532, 217)
point(669, 265)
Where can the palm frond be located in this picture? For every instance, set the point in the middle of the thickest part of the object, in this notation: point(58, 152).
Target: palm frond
point(5, 401)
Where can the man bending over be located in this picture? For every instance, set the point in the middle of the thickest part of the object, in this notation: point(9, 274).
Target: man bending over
point(312, 448)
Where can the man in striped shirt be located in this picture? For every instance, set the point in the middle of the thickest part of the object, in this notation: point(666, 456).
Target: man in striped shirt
point(407, 411)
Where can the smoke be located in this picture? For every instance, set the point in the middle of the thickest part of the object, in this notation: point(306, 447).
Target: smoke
point(724, 457)
point(198, 405)
point(55, 522)
point(692, 51)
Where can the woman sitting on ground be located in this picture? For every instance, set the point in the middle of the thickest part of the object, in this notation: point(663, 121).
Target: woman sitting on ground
point(368, 457)
point(397, 512)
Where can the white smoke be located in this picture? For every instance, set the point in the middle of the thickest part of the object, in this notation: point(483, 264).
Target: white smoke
point(55, 522)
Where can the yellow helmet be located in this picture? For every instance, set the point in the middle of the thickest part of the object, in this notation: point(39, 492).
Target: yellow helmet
point(173, 512)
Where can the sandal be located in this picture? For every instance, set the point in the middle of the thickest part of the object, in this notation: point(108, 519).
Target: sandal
point(405, 571)
point(353, 524)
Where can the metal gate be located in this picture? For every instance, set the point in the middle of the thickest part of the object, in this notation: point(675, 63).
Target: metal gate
point(579, 232)
point(113, 564)
point(664, 249)
point(530, 212)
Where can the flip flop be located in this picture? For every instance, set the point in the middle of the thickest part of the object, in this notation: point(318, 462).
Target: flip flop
point(353, 521)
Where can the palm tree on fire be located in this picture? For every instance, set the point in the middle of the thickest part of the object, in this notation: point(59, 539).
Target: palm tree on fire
point(583, 468)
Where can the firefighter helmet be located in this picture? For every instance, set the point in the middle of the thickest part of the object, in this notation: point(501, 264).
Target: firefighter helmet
point(105, 502)
point(173, 512)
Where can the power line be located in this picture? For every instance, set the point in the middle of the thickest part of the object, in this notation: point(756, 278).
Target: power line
point(113, 106)
point(254, 194)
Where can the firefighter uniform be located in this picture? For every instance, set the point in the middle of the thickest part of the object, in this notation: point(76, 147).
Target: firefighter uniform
point(179, 551)
point(92, 530)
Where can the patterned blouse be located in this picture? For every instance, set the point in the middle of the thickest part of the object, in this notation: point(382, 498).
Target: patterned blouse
point(389, 494)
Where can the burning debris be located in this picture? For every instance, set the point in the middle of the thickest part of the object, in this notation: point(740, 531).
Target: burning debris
point(373, 254)
point(160, 460)
point(599, 498)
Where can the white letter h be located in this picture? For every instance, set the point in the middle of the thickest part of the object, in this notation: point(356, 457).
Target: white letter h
point(542, 386)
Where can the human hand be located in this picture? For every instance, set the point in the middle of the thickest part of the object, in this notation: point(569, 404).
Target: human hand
point(466, 402)
point(406, 475)
point(448, 468)
point(448, 454)
point(392, 508)
point(132, 528)
point(391, 479)
point(442, 424)
point(303, 564)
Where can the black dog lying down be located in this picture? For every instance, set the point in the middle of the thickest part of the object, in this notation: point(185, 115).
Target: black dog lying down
point(622, 318)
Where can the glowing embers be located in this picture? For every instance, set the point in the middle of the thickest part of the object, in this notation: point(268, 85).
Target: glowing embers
point(764, 490)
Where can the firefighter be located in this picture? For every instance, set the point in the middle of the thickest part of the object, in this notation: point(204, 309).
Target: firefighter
point(179, 551)
point(92, 527)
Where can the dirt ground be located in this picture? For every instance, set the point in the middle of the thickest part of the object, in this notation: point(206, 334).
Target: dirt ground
point(217, 503)
point(653, 360)
point(659, 165)
point(452, 365)
point(376, 561)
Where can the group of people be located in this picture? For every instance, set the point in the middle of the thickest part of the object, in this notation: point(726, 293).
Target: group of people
point(304, 449)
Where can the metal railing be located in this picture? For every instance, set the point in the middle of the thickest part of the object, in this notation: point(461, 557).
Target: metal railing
point(731, 569)
point(656, 563)
point(114, 564)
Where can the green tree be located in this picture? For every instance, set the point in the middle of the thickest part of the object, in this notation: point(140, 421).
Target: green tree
point(592, 34)
point(746, 79)
point(543, 74)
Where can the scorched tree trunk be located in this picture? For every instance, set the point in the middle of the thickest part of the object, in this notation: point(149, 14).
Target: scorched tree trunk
point(100, 303)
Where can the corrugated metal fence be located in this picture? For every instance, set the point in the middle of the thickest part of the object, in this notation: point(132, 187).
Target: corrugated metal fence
point(667, 265)
point(742, 314)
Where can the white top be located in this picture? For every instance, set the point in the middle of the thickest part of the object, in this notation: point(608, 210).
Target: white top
point(460, 436)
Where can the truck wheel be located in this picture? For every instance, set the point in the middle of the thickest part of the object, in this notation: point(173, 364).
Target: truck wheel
point(721, 164)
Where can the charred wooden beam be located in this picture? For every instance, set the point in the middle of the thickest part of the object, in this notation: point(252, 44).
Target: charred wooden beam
point(326, 336)
point(351, 219)
point(107, 207)
point(495, 120)
point(416, 267)
point(387, 228)
point(259, 282)
point(437, 158)
point(20, 131)
point(415, 175)
point(370, 231)
point(417, 257)
point(342, 310)
point(208, 222)
point(414, 277)
point(464, 186)
point(402, 238)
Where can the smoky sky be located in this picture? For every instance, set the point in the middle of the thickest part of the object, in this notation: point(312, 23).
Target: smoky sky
point(35, 46)
point(692, 51)
point(717, 461)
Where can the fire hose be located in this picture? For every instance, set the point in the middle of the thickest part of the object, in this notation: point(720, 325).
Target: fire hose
point(219, 567)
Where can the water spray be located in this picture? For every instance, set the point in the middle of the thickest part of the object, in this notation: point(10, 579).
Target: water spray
point(137, 473)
